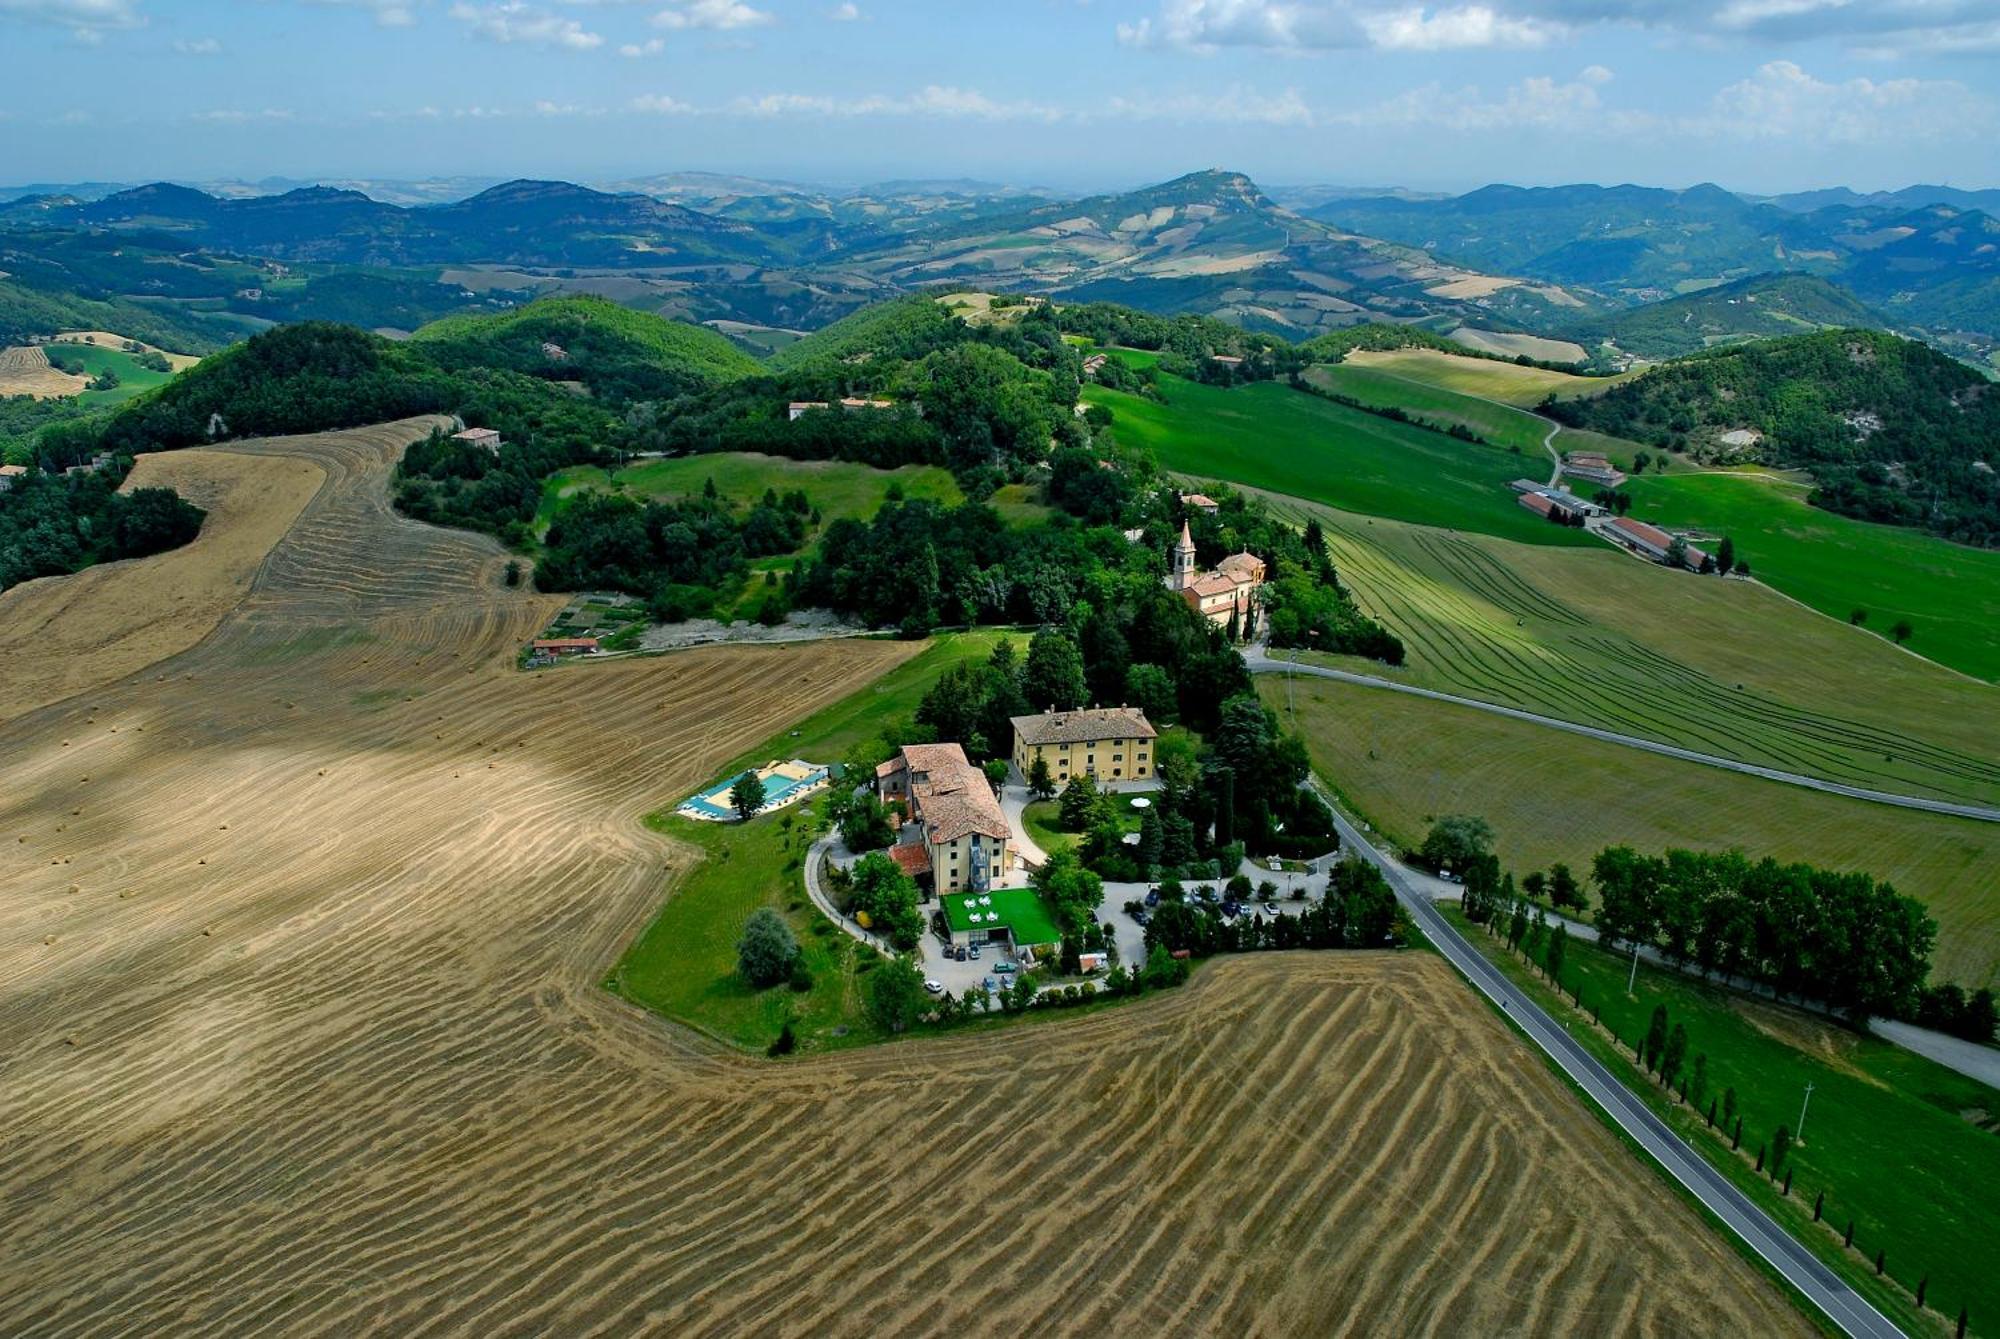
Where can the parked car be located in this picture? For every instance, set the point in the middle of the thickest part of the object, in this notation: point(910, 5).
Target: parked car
point(1005, 968)
point(987, 984)
point(958, 955)
point(1270, 908)
point(973, 952)
point(1153, 898)
point(934, 987)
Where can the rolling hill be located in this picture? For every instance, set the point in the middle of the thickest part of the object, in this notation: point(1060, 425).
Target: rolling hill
point(1891, 429)
point(612, 350)
point(1762, 306)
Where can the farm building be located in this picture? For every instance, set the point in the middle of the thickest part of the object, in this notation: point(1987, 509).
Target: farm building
point(1109, 743)
point(1649, 541)
point(798, 409)
point(853, 402)
point(1200, 502)
point(1593, 466)
point(9, 473)
point(1093, 363)
point(486, 439)
point(953, 816)
point(564, 646)
point(1227, 593)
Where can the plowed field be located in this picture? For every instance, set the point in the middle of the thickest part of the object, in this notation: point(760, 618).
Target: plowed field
point(299, 1033)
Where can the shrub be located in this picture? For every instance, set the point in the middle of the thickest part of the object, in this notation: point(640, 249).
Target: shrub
point(767, 950)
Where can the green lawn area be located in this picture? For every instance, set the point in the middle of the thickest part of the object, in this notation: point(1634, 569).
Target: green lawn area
point(1510, 383)
point(684, 964)
point(1017, 506)
point(1040, 818)
point(837, 487)
point(132, 378)
point(1905, 1148)
point(1950, 594)
point(1382, 389)
point(1270, 436)
point(1020, 910)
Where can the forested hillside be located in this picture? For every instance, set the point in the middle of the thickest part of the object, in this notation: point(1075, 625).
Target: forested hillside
point(1763, 306)
point(26, 313)
point(614, 351)
point(1891, 429)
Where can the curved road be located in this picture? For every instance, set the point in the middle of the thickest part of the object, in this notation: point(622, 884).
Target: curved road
point(1260, 661)
point(1799, 1267)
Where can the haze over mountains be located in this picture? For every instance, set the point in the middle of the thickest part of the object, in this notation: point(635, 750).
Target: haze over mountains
point(1554, 261)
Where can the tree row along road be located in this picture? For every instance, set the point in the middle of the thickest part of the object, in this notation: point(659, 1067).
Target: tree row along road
point(1798, 1266)
point(1262, 662)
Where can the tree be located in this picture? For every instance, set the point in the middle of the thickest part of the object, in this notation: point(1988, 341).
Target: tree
point(896, 994)
point(1902, 631)
point(1151, 690)
point(864, 825)
point(1858, 617)
point(746, 797)
point(1455, 840)
point(1534, 884)
point(1071, 892)
point(1656, 1038)
point(1152, 840)
point(1553, 955)
point(1781, 1144)
point(1725, 556)
point(1674, 1056)
point(1677, 551)
point(1052, 676)
point(767, 949)
point(1563, 890)
point(1081, 805)
point(1040, 783)
point(996, 773)
point(888, 897)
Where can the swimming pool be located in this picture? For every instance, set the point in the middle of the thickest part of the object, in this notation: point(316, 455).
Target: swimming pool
point(784, 783)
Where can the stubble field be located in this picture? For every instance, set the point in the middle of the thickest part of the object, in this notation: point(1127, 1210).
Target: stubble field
point(300, 931)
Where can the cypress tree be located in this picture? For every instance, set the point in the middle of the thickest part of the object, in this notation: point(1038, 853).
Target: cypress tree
point(1711, 1113)
point(1961, 1323)
point(1760, 1157)
point(1848, 1240)
point(1787, 1192)
point(1878, 1260)
point(1736, 1138)
point(1923, 1287)
point(1818, 1205)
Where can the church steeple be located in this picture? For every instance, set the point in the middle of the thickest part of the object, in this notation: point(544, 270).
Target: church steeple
point(1183, 560)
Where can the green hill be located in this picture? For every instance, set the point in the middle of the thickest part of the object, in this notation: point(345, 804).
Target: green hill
point(618, 353)
point(28, 311)
point(1763, 306)
point(1892, 430)
point(905, 328)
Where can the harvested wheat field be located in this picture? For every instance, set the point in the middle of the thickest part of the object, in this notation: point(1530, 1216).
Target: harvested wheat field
point(25, 370)
point(106, 339)
point(299, 1033)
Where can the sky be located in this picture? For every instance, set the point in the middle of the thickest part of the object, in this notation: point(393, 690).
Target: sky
point(1757, 95)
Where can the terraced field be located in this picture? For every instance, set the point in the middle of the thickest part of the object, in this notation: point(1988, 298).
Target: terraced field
point(300, 931)
point(1723, 667)
point(1402, 761)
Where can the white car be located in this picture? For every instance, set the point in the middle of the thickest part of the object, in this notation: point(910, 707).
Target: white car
point(934, 986)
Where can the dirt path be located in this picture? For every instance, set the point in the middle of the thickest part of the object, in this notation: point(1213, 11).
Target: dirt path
point(299, 1033)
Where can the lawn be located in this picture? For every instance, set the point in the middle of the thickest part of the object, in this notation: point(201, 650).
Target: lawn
point(1904, 1148)
point(837, 487)
point(1040, 820)
point(1488, 378)
point(1271, 436)
point(1949, 594)
point(1402, 761)
point(1382, 389)
point(1725, 667)
point(95, 358)
point(684, 964)
point(1020, 910)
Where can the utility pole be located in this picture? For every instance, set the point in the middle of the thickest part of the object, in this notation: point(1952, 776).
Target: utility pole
point(1632, 977)
point(1801, 1137)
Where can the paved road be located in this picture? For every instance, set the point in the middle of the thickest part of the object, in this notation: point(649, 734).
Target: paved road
point(1261, 662)
point(1847, 1309)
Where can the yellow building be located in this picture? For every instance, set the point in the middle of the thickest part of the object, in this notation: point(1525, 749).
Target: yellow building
point(955, 821)
point(1108, 743)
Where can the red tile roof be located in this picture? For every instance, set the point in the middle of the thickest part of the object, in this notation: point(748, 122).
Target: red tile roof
point(913, 858)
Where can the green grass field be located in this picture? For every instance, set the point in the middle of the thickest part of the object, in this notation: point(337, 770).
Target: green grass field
point(1950, 594)
point(684, 964)
point(1725, 667)
point(96, 359)
point(837, 487)
point(1271, 436)
point(1904, 1148)
point(1382, 389)
point(1402, 762)
point(1509, 383)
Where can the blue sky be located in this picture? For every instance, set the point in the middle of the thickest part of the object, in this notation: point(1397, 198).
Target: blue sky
point(1755, 94)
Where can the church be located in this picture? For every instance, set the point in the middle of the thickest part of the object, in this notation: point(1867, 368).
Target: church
point(1228, 592)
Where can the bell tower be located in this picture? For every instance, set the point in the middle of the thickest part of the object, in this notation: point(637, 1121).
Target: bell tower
point(1182, 574)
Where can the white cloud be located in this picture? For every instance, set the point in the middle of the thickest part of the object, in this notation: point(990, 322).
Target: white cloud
point(1417, 29)
point(200, 46)
point(388, 13)
point(652, 46)
point(1236, 107)
point(718, 15)
point(846, 13)
point(1206, 25)
point(232, 116)
point(936, 100)
point(661, 104)
point(1782, 101)
point(1537, 102)
point(516, 22)
point(89, 20)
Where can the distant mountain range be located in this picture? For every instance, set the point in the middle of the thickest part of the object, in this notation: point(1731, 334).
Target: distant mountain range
point(1763, 306)
point(1563, 261)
